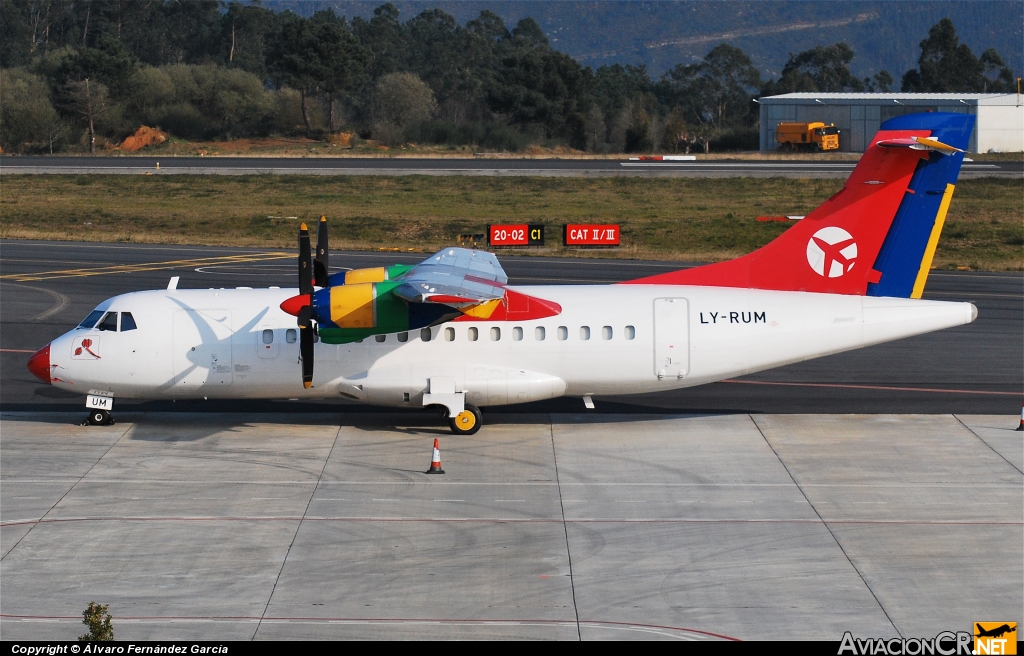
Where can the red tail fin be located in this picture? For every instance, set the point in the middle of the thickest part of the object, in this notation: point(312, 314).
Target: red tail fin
point(833, 249)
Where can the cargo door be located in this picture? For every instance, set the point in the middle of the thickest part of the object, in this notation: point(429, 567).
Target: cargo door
point(671, 337)
point(202, 348)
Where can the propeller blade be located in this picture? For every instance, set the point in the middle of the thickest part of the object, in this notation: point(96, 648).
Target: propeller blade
point(306, 352)
point(323, 254)
point(305, 274)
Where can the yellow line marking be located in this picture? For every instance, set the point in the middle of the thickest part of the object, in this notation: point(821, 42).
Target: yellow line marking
point(933, 242)
point(147, 266)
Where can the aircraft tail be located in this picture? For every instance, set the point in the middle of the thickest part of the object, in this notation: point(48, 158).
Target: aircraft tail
point(876, 236)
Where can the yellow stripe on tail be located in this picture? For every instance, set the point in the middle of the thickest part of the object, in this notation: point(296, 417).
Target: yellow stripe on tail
point(933, 241)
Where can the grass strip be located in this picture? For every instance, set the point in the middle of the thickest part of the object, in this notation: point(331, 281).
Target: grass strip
point(694, 219)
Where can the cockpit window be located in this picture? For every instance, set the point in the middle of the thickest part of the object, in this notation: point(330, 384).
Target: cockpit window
point(109, 322)
point(127, 321)
point(91, 320)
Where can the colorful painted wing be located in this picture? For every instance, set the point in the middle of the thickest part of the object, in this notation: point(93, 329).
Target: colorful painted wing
point(457, 277)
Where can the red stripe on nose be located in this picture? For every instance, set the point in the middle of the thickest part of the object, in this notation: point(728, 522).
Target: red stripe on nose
point(39, 364)
point(295, 304)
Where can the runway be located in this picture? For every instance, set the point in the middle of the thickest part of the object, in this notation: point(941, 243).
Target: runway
point(46, 288)
point(478, 166)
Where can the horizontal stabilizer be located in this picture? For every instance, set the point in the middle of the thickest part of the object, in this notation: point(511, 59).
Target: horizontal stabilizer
point(920, 143)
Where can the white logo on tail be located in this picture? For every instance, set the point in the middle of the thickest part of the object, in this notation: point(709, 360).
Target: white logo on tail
point(831, 252)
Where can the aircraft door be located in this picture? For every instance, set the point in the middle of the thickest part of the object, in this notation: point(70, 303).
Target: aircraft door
point(202, 348)
point(671, 337)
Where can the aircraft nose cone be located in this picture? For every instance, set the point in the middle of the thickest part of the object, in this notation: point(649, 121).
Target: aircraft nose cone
point(39, 364)
point(294, 304)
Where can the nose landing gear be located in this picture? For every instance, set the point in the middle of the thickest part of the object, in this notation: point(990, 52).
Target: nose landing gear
point(99, 418)
point(99, 403)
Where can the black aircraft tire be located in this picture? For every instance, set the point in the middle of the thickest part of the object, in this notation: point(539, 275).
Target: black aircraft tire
point(99, 418)
point(467, 422)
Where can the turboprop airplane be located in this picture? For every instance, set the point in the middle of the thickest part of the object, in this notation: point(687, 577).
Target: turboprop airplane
point(452, 334)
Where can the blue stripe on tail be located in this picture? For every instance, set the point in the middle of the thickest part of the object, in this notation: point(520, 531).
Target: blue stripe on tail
point(899, 260)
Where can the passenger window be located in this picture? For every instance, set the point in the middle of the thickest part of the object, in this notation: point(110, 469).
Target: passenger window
point(584, 332)
point(517, 334)
point(425, 334)
point(109, 322)
point(495, 334)
point(403, 337)
point(563, 333)
point(630, 332)
point(91, 320)
point(268, 336)
point(449, 334)
point(380, 339)
point(538, 333)
point(606, 332)
point(127, 321)
point(290, 336)
point(473, 334)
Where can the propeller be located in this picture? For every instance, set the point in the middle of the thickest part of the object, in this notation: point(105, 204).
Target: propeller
point(302, 305)
point(320, 264)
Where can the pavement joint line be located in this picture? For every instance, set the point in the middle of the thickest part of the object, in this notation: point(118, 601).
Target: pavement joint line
point(827, 527)
point(375, 620)
point(295, 535)
point(515, 520)
point(42, 518)
point(983, 441)
point(565, 528)
point(169, 481)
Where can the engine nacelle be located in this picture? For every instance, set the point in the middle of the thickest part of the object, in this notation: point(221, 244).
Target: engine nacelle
point(351, 312)
point(374, 274)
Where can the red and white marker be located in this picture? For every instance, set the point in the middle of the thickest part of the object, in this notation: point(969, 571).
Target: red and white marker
point(435, 460)
point(1021, 427)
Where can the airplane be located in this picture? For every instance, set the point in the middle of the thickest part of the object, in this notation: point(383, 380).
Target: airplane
point(996, 632)
point(451, 334)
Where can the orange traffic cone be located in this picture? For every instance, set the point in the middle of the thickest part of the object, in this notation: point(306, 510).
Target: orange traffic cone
point(435, 460)
point(1021, 427)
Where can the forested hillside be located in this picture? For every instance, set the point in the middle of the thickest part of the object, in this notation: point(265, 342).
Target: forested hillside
point(663, 33)
point(81, 76)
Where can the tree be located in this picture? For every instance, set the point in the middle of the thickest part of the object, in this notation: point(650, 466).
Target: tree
point(315, 54)
point(26, 114)
point(384, 36)
point(948, 66)
point(997, 75)
point(245, 30)
point(97, 619)
point(400, 99)
point(822, 68)
point(85, 78)
point(879, 83)
point(717, 90)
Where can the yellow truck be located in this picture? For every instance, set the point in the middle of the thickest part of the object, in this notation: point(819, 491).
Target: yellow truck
point(807, 136)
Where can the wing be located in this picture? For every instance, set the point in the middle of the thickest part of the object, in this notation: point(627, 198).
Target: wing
point(457, 277)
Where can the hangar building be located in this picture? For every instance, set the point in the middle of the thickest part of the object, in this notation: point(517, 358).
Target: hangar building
point(1000, 125)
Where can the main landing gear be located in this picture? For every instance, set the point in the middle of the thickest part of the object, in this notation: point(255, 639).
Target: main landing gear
point(466, 422)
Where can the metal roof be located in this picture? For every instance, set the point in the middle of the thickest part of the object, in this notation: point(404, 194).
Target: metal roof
point(983, 98)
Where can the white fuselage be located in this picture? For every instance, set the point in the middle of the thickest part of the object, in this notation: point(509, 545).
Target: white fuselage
point(618, 339)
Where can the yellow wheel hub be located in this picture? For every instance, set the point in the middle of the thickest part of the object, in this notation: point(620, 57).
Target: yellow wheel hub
point(465, 420)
